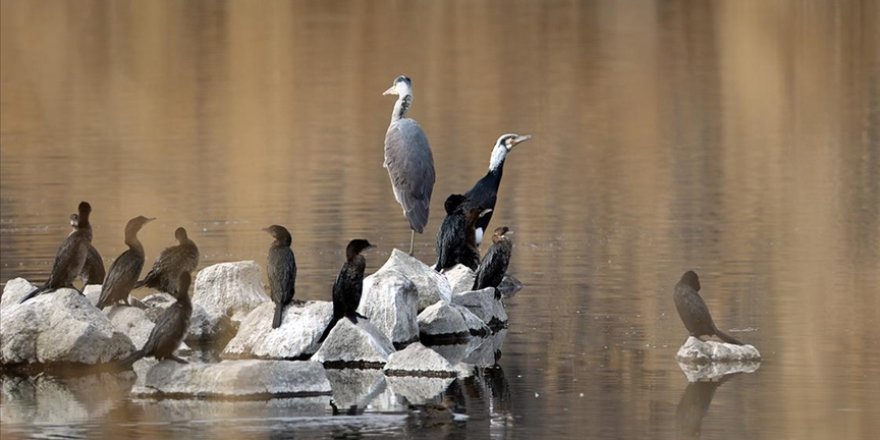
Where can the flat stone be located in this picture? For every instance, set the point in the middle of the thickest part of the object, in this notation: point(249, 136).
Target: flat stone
point(418, 360)
point(296, 338)
point(432, 286)
point(483, 304)
point(461, 278)
point(238, 379)
point(354, 345)
point(697, 352)
point(390, 300)
point(59, 327)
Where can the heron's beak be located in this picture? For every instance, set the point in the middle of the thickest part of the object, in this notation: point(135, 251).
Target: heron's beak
point(391, 91)
point(518, 140)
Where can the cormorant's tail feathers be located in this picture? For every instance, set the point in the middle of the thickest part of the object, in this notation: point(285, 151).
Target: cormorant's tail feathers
point(279, 314)
point(33, 293)
point(126, 362)
point(329, 327)
point(727, 338)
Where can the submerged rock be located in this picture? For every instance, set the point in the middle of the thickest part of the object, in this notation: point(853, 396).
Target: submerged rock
point(354, 345)
point(240, 379)
point(59, 327)
point(390, 300)
point(418, 360)
point(432, 286)
point(297, 337)
point(231, 289)
point(697, 352)
point(461, 278)
point(483, 304)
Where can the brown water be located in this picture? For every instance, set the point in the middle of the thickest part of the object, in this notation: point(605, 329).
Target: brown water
point(740, 139)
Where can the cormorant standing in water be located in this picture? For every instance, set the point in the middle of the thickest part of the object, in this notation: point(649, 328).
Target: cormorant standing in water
point(494, 264)
point(93, 270)
point(71, 256)
point(171, 262)
point(408, 160)
point(456, 240)
point(484, 194)
point(170, 328)
point(693, 311)
point(282, 271)
point(349, 285)
point(126, 269)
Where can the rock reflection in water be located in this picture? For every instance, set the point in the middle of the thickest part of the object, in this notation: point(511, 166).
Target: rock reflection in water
point(694, 404)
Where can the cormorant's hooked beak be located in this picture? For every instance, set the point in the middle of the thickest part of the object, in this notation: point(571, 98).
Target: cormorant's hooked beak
point(149, 219)
point(518, 140)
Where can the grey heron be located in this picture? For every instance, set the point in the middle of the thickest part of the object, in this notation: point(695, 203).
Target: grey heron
point(408, 160)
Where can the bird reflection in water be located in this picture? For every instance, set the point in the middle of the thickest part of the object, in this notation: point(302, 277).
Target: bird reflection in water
point(693, 406)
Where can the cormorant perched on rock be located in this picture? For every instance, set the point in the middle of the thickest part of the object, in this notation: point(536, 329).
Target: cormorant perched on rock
point(170, 328)
point(349, 285)
point(171, 262)
point(126, 269)
point(71, 256)
point(456, 240)
point(484, 194)
point(93, 270)
point(693, 311)
point(494, 264)
point(282, 271)
point(408, 160)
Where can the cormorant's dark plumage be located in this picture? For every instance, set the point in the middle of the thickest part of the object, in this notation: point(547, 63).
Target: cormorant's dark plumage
point(126, 269)
point(170, 328)
point(494, 264)
point(693, 310)
point(349, 285)
point(282, 271)
point(93, 271)
point(71, 256)
point(171, 262)
point(456, 240)
point(484, 193)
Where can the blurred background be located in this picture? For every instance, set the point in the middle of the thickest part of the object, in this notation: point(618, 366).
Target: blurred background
point(740, 139)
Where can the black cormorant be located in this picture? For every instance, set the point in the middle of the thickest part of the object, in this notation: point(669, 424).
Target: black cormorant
point(170, 328)
point(693, 311)
point(126, 269)
point(71, 256)
point(282, 271)
point(494, 264)
point(456, 240)
point(349, 285)
point(484, 193)
point(171, 262)
point(93, 271)
point(408, 160)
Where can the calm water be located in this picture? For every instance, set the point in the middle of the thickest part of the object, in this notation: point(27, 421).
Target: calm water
point(740, 139)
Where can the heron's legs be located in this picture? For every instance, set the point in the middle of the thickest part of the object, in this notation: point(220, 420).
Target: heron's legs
point(412, 239)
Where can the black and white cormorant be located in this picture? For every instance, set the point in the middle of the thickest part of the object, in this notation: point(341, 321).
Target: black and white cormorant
point(408, 160)
point(125, 270)
point(349, 285)
point(71, 256)
point(93, 271)
point(171, 262)
point(282, 271)
point(170, 328)
point(693, 310)
point(484, 193)
point(494, 265)
point(456, 239)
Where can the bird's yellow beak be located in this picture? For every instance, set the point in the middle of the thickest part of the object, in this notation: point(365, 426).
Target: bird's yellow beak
point(391, 91)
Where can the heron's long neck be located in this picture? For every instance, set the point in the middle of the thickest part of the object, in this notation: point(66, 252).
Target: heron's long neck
point(400, 107)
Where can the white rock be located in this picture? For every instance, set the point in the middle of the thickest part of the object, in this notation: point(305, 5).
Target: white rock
point(432, 286)
point(255, 379)
point(232, 289)
point(348, 344)
point(93, 293)
point(461, 278)
point(697, 352)
point(418, 360)
point(483, 304)
point(391, 301)
point(132, 321)
point(442, 323)
point(475, 325)
point(418, 390)
point(714, 371)
point(59, 326)
point(301, 326)
point(354, 387)
point(14, 291)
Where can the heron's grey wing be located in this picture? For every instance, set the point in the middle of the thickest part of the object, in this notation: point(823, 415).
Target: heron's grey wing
point(410, 166)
